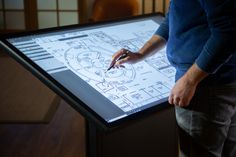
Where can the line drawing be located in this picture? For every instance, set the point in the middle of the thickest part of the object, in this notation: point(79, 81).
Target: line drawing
point(88, 54)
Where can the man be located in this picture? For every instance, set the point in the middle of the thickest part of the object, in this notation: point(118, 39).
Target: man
point(201, 45)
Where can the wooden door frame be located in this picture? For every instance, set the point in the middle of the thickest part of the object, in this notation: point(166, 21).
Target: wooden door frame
point(83, 15)
point(31, 17)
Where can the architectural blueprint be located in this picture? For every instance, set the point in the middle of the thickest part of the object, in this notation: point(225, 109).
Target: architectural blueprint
point(88, 53)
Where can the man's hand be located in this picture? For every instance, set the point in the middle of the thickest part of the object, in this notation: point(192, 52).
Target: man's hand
point(131, 57)
point(182, 92)
point(152, 46)
point(184, 89)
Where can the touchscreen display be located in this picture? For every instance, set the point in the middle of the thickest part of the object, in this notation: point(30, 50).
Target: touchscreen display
point(83, 55)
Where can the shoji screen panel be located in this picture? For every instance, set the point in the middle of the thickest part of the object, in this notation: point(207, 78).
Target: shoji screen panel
point(52, 13)
point(151, 6)
point(12, 15)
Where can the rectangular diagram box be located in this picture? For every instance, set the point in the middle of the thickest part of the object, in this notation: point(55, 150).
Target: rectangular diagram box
point(73, 62)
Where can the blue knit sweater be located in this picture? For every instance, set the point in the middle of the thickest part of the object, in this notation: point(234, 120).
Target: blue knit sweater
point(202, 32)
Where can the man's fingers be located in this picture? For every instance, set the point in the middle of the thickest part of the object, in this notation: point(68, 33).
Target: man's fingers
point(181, 104)
point(170, 99)
point(184, 103)
point(119, 63)
point(122, 61)
point(176, 100)
point(116, 56)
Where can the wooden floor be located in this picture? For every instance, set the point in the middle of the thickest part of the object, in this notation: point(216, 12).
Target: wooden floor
point(64, 136)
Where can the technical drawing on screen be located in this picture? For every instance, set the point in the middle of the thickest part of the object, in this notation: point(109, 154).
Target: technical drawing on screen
point(87, 54)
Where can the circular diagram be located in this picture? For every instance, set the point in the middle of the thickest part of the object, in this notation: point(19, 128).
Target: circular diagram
point(93, 65)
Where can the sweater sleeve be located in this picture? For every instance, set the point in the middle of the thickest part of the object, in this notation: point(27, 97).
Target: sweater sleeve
point(163, 30)
point(221, 17)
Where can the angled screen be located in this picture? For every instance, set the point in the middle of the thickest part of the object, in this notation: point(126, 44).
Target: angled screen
point(78, 58)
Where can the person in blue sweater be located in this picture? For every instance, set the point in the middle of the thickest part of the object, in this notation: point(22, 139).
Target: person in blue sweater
point(201, 44)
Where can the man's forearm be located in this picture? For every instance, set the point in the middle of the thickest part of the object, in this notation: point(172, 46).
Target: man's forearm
point(152, 45)
point(195, 75)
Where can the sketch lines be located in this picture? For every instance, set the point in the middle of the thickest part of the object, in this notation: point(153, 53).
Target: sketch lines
point(88, 54)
